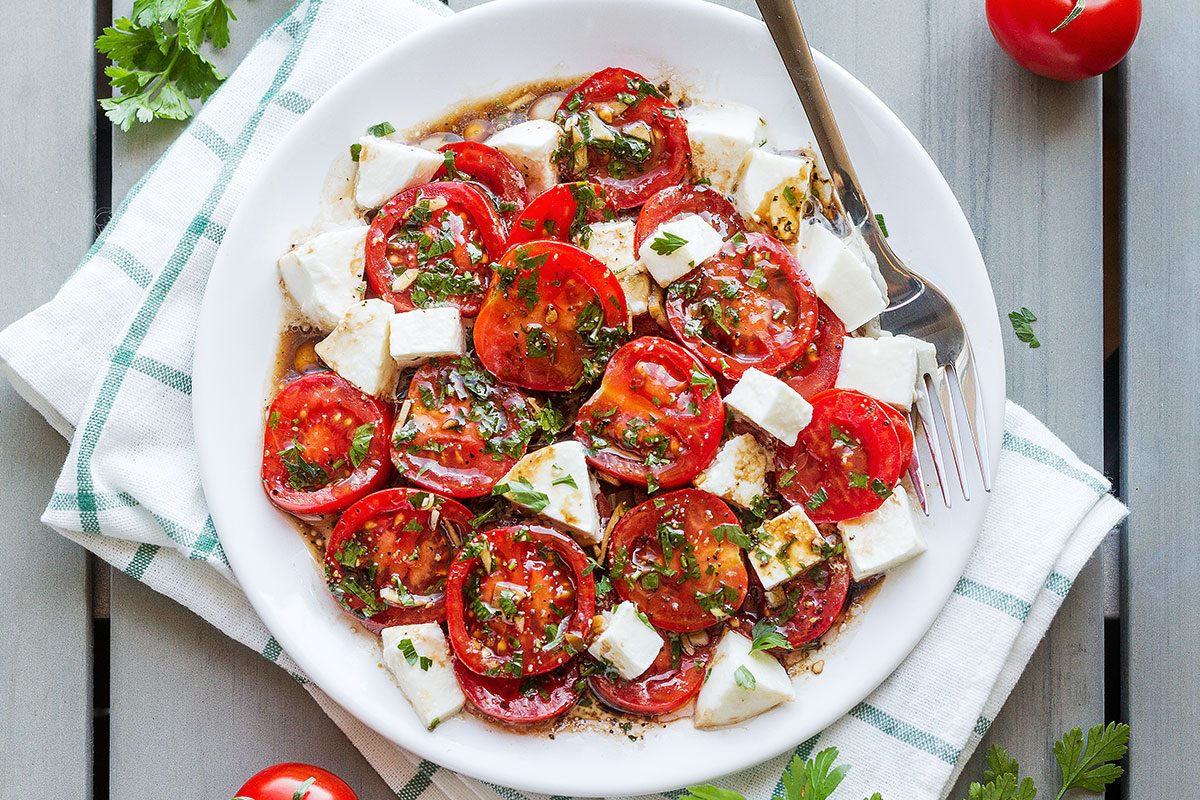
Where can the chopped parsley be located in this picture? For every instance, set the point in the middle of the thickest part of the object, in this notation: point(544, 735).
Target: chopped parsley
point(706, 382)
point(303, 475)
point(360, 443)
point(521, 492)
point(745, 678)
point(412, 657)
point(817, 500)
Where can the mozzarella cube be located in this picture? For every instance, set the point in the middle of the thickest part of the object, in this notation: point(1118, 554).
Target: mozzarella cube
point(773, 189)
point(627, 641)
point(858, 246)
point(324, 275)
point(560, 473)
point(359, 348)
point(530, 146)
point(426, 333)
point(771, 405)
point(840, 277)
point(683, 244)
point(884, 368)
point(887, 536)
point(927, 363)
point(612, 243)
point(738, 473)
point(740, 684)
point(721, 135)
point(420, 659)
point(386, 167)
point(785, 546)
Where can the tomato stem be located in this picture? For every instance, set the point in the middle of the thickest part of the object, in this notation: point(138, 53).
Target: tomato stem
point(1075, 12)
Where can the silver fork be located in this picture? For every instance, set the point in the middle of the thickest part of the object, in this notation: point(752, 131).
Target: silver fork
point(949, 400)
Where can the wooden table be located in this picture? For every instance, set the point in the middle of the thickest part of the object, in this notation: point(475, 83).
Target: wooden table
point(109, 690)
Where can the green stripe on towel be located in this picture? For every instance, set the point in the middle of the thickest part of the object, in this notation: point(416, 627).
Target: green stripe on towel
point(1010, 604)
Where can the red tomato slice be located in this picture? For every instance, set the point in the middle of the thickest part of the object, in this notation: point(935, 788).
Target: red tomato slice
point(673, 679)
point(395, 540)
point(487, 166)
point(846, 462)
point(702, 579)
point(814, 599)
point(511, 591)
point(522, 701)
point(464, 431)
point(678, 201)
point(325, 445)
point(431, 245)
point(644, 147)
point(751, 305)
point(286, 781)
point(904, 434)
point(657, 414)
point(551, 319)
point(816, 368)
point(563, 213)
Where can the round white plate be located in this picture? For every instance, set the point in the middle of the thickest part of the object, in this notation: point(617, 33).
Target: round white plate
point(717, 54)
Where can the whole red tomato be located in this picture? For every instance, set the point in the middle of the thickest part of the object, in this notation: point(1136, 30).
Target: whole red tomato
point(1067, 40)
point(295, 782)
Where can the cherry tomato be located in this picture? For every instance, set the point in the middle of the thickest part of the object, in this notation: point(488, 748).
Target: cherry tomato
point(673, 679)
point(1067, 40)
point(563, 213)
point(295, 782)
point(552, 318)
point(657, 415)
point(678, 201)
point(665, 556)
point(522, 701)
point(431, 245)
point(487, 166)
point(812, 602)
point(816, 368)
point(325, 445)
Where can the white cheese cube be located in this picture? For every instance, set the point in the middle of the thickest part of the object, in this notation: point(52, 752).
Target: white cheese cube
point(721, 135)
point(627, 642)
point(858, 246)
point(772, 190)
point(612, 243)
point(927, 363)
point(426, 333)
point(324, 275)
point(359, 348)
point(386, 167)
point(785, 547)
point(683, 244)
point(738, 473)
point(771, 405)
point(840, 277)
point(886, 368)
point(887, 536)
point(560, 473)
point(740, 684)
point(530, 146)
point(420, 659)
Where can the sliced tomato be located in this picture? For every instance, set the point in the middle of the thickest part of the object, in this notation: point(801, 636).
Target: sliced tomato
point(432, 245)
point(551, 319)
point(846, 462)
point(673, 557)
point(563, 213)
point(816, 368)
point(679, 201)
point(657, 417)
point(904, 434)
point(387, 559)
point(522, 701)
point(463, 431)
point(622, 132)
point(673, 679)
point(812, 602)
point(751, 305)
point(325, 445)
point(519, 601)
point(487, 166)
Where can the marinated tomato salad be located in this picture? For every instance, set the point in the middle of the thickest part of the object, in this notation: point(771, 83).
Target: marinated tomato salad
point(591, 407)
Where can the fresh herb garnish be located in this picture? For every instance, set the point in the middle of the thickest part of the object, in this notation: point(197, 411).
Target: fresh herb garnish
point(566, 480)
point(381, 129)
point(521, 492)
point(412, 657)
point(360, 443)
point(766, 636)
point(817, 499)
point(882, 225)
point(303, 475)
point(667, 243)
point(745, 678)
point(1022, 324)
point(273, 420)
point(706, 382)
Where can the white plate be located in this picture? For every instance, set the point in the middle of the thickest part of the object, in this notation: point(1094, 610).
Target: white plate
point(720, 55)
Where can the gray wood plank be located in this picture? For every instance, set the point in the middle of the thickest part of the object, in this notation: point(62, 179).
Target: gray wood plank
point(46, 221)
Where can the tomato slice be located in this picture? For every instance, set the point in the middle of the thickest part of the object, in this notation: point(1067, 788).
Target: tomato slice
point(657, 417)
point(551, 319)
point(487, 166)
point(816, 368)
point(813, 601)
point(678, 201)
point(665, 557)
point(563, 213)
point(519, 601)
point(846, 462)
point(674, 678)
point(904, 434)
point(387, 559)
point(325, 445)
point(522, 701)
point(622, 132)
point(464, 431)
point(431, 245)
point(750, 305)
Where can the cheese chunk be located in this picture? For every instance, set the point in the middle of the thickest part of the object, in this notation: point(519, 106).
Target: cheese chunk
point(358, 349)
point(884, 368)
point(531, 145)
point(694, 241)
point(771, 405)
point(785, 546)
point(927, 363)
point(738, 473)
point(722, 135)
point(426, 333)
point(324, 275)
point(627, 642)
point(427, 680)
point(560, 473)
point(772, 190)
point(887, 536)
point(840, 277)
point(612, 243)
point(740, 684)
point(386, 167)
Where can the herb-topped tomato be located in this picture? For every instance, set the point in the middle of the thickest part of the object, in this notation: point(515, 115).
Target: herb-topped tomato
point(431, 245)
point(325, 445)
point(519, 601)
point(672, 680)
point(903, 433)
point(522, 701)
point(622, 132)
point(750, 305)
point(657, 417)
point(812, 602)
point(675, 556)
point(816, 368)
point(679, 201)
point(846, 462)
point(487, 166)
point(563, 213)
point(387, 559)
point(551, 319)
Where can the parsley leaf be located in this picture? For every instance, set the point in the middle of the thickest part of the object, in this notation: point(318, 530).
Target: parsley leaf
point(817, 499)
point(303, 475)
point(384, 128)
point(521, 492)
point(882, 225)
point(815, 779)
point(706, 382)
point(1022, 324)
point(1092, 766)
point(745, 678)
point(360, 443)
point(766, 636)
point(667, 243)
